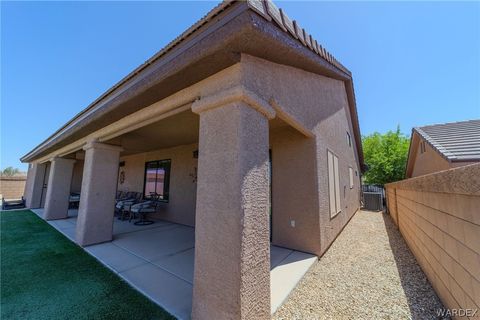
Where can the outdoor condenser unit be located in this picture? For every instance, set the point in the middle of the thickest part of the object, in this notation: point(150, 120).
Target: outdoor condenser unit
point(373, 201)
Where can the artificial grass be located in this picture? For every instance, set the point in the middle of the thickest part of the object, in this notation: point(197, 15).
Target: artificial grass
point(46, 276)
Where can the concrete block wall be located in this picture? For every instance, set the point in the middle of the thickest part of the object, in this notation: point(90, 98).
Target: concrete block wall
point(12, 187)
point(439, 217)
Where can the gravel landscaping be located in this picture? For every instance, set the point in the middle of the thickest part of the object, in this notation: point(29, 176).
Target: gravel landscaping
point(368, 273)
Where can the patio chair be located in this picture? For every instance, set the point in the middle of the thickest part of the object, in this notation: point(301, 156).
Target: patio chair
point(122, 207)
point(125, 195)
point(142, 209)
point(120, 195)
point(74, 200)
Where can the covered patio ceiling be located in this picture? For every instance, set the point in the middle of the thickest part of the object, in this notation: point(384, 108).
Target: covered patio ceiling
point(179, 129)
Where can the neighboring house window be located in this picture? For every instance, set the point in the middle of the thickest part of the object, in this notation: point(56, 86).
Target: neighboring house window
point(350, 174)
point(333, 184)
point(349, 139)
point(157, 180)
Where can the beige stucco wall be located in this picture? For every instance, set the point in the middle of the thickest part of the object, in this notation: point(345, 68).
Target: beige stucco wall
point(428, 162)
point(295, 218)
point(315, 105)
point(232, 247)
point(77, 177)
point(58, 191)
point(318, 104)
point(181, 205)
point(438, 216)
point(12, 187)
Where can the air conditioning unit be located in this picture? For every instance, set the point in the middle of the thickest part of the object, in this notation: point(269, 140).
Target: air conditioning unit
point(373, 201)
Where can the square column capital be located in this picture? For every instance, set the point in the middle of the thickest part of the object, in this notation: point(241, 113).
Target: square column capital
point(235, 94)
point(98, 145)
point(62, 160)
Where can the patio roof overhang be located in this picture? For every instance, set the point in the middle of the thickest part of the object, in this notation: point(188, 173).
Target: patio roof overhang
point(212, 44)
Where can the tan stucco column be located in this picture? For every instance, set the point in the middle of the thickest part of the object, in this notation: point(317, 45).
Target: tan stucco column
point(34, 185)
point(58, 191)
point(97, 198)
point(232, 248)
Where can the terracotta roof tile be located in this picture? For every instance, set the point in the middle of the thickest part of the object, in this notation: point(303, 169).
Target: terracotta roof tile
point(281, 19)
point(275, 14)
point(288, 24)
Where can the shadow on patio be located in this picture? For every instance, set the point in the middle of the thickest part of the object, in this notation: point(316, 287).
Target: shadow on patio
point(158, 260)
point(419, 293)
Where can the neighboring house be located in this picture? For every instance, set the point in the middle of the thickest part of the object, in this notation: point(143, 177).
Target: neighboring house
point(247, 129)
point(443, 146)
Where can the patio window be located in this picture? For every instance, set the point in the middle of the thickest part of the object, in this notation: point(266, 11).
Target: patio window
point(157, 180)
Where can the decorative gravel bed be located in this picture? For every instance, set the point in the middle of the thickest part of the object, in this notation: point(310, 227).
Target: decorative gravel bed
point(368, 273)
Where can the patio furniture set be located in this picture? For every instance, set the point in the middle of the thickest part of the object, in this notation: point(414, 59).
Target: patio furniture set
point(128, 205)
point(9, 204)
point(133, 205)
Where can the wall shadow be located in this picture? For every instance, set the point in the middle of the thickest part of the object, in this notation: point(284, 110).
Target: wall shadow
point(422, 300)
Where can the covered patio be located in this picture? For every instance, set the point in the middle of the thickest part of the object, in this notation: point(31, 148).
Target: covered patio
point(237, 164)
point(192, 212)
point(158, 260)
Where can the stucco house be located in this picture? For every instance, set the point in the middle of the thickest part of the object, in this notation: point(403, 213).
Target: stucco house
point(440, 147)
point(244, 126)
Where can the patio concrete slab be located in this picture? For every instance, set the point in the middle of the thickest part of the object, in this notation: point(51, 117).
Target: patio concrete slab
point(65, 226)
point(61, 224)
point(120, 226)
point(68, 232)
point(180, 263)
point(115, 257)
point(286, 275)
point(166, 289)
point(154, 243)
point(158, 260)
point(277, 255)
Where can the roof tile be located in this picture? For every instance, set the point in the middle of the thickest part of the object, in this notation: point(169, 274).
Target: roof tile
point(288, 23)
point(275, 13)
point(456, 141)
point(259, 7)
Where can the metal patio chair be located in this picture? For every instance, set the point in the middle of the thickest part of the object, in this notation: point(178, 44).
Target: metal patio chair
point(141, 210)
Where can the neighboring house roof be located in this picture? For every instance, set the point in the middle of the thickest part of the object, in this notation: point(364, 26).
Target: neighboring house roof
point(135, 81)
point(456, 141)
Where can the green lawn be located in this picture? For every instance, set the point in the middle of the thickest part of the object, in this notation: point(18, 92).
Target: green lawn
point(46, 276)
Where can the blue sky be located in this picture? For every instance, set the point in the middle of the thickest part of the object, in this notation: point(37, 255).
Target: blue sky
point(414, 63)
